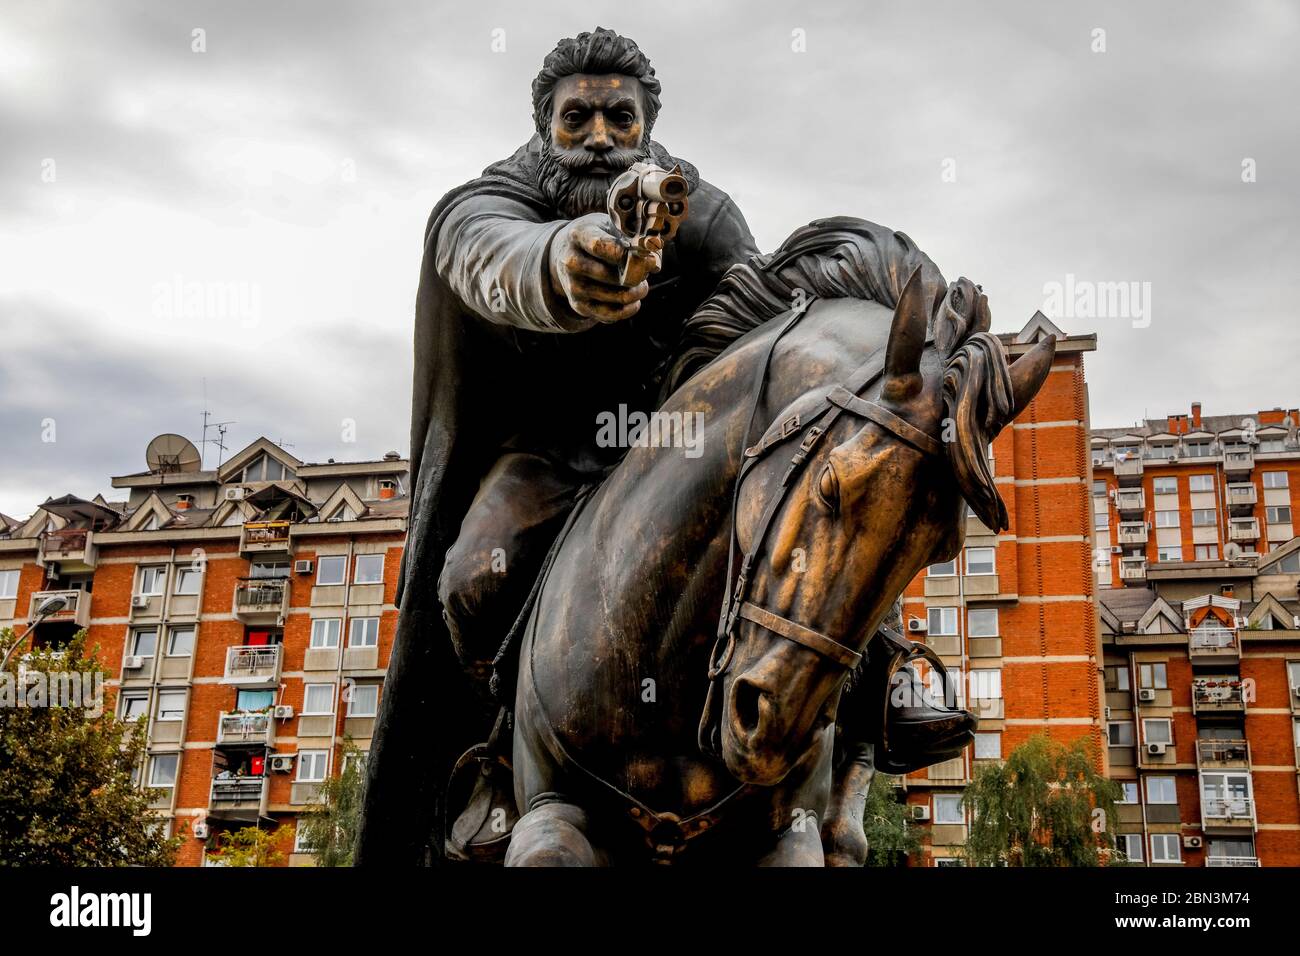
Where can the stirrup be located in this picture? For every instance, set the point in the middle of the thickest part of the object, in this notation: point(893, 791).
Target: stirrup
point(484, 783)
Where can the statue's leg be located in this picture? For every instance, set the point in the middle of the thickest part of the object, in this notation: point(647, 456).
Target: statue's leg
point(844, 840)
point(552, 833)
point(797, 846)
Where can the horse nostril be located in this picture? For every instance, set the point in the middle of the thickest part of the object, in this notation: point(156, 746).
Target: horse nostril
point(747, 705)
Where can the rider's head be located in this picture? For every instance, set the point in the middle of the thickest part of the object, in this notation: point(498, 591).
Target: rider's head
point(594, 104)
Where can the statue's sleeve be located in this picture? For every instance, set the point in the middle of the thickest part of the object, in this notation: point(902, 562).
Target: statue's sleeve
point(493, 253)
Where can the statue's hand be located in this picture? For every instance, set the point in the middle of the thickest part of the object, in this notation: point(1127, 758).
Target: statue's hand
point(584, 264)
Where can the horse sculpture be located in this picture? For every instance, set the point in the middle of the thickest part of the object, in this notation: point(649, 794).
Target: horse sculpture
point(681, 669)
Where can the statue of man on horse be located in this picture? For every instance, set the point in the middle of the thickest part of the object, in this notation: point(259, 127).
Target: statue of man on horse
point(529, 627)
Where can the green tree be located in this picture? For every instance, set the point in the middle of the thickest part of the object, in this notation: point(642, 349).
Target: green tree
point(67, 791)
point(1046, 805)
point(330, 827)
point(250, 846)
point(891, 838)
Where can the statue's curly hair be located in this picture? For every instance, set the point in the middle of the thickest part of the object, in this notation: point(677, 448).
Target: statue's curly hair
point(601, 51)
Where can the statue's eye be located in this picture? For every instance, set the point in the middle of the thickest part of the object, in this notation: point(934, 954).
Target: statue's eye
point(958, 300)
point(623, 118)
point(573, 118)
point(828, 488)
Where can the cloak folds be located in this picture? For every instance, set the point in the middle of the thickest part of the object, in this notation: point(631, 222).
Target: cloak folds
point(472, 383)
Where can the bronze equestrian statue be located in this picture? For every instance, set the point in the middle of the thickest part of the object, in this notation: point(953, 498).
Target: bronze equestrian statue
point(672, 688)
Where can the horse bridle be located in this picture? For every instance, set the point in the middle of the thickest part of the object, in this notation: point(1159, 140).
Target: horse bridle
point(812, 427)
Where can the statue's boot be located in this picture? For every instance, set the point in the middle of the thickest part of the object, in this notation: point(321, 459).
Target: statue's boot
point(482, 790)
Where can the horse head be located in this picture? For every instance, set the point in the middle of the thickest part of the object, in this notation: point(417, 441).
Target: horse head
point(882, 495)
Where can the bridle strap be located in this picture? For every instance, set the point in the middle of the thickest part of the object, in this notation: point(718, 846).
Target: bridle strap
point(883, 417)
point(813, 640)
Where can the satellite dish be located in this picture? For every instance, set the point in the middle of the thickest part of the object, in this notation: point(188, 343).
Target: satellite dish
point(168, 453)
point(1232, 551)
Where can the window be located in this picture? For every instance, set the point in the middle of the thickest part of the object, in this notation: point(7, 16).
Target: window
point(357, 757)
point(1201, 482)
point(1099, 489)
point(1267, 445)
point(980, 561)
point(1293, 675)
point(1207, 552)
point(1130, 844)
point(1169, 553)
point(986, 684)
point(150, 523)
point(1165, 848)
point(945, 570)
point(369, 569)
point(1117, 677)
point(1275, 479)
point(180, 642)
point(1278, 514)
point(1166, 519)
point(1153, 675)
point(1288, 565)
point(363, 632)
point(331, 569)
point(269, 569)
point(318, 699)
point(300, 841)
point(1128, 791)
point(1161, 790)
point(151, 580)
point(254, 700)
point(1101, 520)
point(982, 622)
point(8, 584)
point(162, 770)
point(1198, 449)
point(988, 746)
point(144, 642)
point(311, 765)
point(325, 632)
point(134, 706)
point(942, 621)
point(263, 468)
point(188, 580)
point(1157, 730)
point(1202, 517)
point(342, 513)
point(171, 705)
point(1165, 486)
point(948, 861)
point(365, 700)
point(1120, 733)
point(947, 808)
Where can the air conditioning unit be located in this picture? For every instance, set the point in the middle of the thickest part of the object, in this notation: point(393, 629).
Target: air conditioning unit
point(1295, 691)
point(200, 830)
point(139, 600)
point(917, 624)
point(1147, 695)
point(302, 567)
point(132, 662)
point(1116, 549)
point(1173, 457)
point(234, 494)
point(1157, 750)
point(1107, 713)
point(284, 711)
point(920, 811)
point(1192, 842)
point(281, 763)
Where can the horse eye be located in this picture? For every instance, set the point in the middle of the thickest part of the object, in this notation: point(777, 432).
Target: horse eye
point(958, 300)
point(828, 488)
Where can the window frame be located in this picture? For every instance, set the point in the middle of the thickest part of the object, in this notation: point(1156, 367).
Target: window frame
point(312, 645)
point(159, 573)
point(352, 700)
point(172, 631)
point(9, 574)
point(993, 561)
point(160, 715)
point(306, 698)
point(301, 761)
point(352, 631)
point(949, 800)
point(321, 560)
point(360, 560)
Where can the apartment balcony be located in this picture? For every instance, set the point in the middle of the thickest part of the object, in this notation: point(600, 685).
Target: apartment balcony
point(1221, 816)
point(1131, 502)
point(264, 537)
point(238, 798)
point(76, 609)
point(256, 665)
point(1219, 754)
point(1238, 461)
point(1212, 696)
point(71, 548)
point(1242, 498)
point(1232, 861)
point(261, 600)
point(238, 729)
point(1133, 532)
point(1132, 569)
point(1213, 643)
point(1128, 471)
point(1243, 529)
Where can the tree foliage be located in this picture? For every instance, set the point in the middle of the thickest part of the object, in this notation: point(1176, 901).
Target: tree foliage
point(891, 838)
point(330, 828)
point(67, 793)
point(250, 846)
point(1047, 804)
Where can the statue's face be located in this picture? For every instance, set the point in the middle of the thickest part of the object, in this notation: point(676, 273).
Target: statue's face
point(597, 131)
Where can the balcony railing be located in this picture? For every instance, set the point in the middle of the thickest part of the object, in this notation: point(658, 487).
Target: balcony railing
point(68, 545)
point(1244, 530)
point(76, 609)
point(1212, 641)
point(259, 536)
point(260, 599)
point(232, 791)
point(1232, 861)
point(1133, 569)
point(1242, 496)
point(1209, 695)
point(1223, 753)
point(1128, 501)
point(1232, 810)
point(1238, 460)
point(1133, 532)
point(245, 728)
point(1128, 470)
point(252, 664)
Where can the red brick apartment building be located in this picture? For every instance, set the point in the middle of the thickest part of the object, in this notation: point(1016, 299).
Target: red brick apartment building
point(1015, 615)
point(246, 614)
point(1199, 567)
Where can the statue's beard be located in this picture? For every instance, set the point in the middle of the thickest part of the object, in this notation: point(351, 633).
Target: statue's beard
point(573, 188)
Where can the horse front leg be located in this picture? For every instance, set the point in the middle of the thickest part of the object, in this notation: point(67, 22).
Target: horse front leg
point(552, 833)
point(843, 839)
point(800, 845)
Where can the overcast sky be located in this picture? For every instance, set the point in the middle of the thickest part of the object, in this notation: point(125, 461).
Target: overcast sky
point(294, 162)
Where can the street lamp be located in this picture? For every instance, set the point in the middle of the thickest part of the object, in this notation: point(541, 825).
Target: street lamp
point(50, 605)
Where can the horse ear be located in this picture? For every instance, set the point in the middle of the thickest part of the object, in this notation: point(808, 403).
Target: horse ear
point(1030, 371)
point(906, 339)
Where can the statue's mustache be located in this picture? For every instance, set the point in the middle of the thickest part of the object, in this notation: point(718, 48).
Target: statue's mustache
point(580, 161)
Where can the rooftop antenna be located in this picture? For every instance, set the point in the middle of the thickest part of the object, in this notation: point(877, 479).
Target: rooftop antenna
point(284, 444)
point(220, 440)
